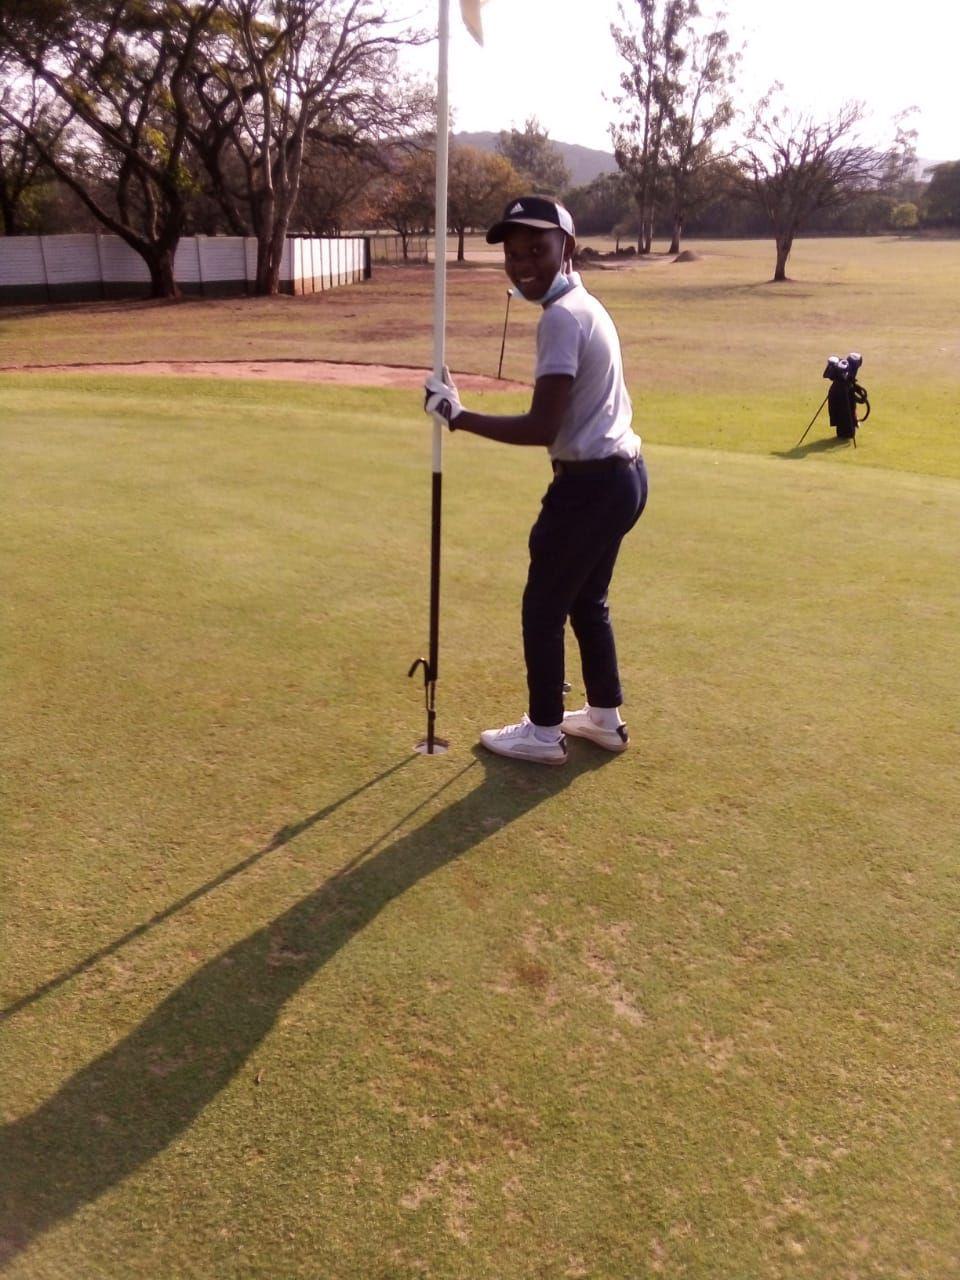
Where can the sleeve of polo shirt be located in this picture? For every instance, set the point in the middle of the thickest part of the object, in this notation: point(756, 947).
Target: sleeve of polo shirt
point(558, 343)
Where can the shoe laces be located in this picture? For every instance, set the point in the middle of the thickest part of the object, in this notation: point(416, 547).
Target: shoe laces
point(523, 729)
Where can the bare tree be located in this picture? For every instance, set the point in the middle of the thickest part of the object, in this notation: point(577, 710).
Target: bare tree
point(792, 165)
point(282, 74)
point(121, 70)
point(650, 85)
point(334, 187)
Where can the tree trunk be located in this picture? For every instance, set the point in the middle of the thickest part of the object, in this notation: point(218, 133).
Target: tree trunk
point(163, 282)
point(784, 245)
point(675, 241)
point(275, 248)
point(264, 222)
point(8, 212)
point(461, 256)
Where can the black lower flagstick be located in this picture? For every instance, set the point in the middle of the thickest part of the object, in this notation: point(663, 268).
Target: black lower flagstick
point(432, 745)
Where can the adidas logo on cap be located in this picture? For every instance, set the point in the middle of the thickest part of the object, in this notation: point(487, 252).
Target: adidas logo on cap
point(542, 212)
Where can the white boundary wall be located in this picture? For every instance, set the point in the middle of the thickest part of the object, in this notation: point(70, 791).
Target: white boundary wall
point(76, 268)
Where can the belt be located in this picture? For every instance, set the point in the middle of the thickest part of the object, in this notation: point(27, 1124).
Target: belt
point(588, 466)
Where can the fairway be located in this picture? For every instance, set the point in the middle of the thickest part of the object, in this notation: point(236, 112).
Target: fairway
point(284, 1000)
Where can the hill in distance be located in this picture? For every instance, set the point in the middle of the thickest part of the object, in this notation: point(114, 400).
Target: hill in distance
point(584, 163)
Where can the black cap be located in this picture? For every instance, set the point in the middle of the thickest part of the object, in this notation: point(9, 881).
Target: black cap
point(532, 211)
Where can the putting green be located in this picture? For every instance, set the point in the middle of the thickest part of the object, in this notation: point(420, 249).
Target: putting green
point(289, 1001)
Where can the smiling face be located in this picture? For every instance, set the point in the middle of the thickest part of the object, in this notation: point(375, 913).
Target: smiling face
point(532, 257)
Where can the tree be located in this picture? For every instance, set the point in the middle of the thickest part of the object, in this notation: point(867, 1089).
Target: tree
point(478, 186)
point(333, 189)
point(900, 163)
point(904, 217)
point(536, 159)
point(697, 111)
point(282, 74)
point(600, 205)
point(650, 86)
point(120, 69)
point(791, 166)
point(942, 204)
point(23, 175)
point(406, 198)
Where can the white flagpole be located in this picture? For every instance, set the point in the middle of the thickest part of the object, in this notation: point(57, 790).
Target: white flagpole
point(440, 219)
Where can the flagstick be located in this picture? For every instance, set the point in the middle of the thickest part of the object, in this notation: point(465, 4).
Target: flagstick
point(432, 745)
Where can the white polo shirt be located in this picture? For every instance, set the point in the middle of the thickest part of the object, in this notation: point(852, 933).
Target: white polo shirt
point(576, 337)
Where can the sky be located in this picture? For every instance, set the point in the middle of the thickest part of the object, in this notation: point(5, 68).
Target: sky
point(555, 59)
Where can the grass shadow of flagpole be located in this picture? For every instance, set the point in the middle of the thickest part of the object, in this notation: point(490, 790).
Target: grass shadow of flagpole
point(282, 837)
point(120, 1111)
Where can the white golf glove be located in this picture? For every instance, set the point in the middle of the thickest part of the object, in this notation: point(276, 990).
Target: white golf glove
point(440, 396)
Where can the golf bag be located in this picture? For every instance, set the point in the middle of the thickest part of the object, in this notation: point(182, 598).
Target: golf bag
point(845, 395)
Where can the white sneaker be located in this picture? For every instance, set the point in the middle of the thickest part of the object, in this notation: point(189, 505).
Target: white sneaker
point(520, 742)
point(579, 724)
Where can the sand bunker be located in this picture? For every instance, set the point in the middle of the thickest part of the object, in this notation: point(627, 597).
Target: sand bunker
point(326, 371)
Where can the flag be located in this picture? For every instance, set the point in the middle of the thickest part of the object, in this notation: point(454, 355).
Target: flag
point(470, 12)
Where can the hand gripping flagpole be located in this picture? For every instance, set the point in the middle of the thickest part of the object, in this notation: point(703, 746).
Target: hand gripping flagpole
point(431, 744)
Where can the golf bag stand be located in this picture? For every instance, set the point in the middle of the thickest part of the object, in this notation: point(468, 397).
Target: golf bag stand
point(812, 420)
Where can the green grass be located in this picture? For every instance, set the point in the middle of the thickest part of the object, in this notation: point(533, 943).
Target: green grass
point(287, 1001)
point(717, 357)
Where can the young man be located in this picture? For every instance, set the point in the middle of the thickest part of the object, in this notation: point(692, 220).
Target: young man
point(581, 412)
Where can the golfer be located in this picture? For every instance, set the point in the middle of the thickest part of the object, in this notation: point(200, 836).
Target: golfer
point(581, 412)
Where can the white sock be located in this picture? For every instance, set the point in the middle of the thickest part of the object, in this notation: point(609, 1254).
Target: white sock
point(605, 717)
point(547, 732)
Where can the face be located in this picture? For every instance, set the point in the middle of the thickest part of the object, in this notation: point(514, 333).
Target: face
point(532, 257)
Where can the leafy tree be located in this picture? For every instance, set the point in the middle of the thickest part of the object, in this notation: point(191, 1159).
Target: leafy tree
point(698, 110)
point(904, 217)
point(942, 204)
point(23, 176)
point(405, 201)
point(536, 159)
point(479, 184)
point(600, 205)
point(284, 75)
point(650, 89)
point(120, 70)
point(792, 166)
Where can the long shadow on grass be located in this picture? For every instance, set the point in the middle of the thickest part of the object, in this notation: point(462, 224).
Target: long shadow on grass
point(282, 837)
point(116, 1114)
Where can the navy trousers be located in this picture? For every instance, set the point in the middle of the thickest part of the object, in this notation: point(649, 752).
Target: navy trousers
point(573, 549)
